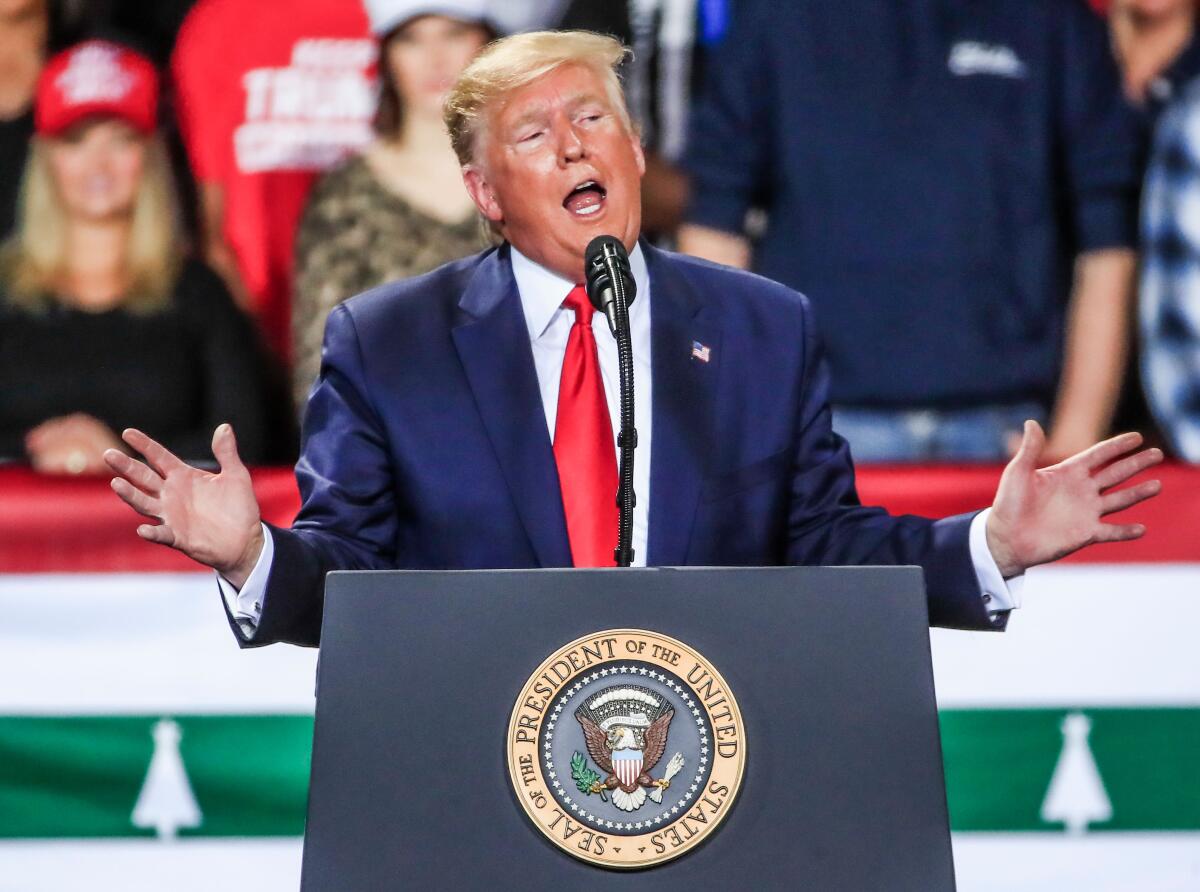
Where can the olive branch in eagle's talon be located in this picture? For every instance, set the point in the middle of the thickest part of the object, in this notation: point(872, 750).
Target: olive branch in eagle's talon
point(587, 780)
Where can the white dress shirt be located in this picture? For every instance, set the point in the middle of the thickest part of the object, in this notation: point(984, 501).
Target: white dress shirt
point(542, 293)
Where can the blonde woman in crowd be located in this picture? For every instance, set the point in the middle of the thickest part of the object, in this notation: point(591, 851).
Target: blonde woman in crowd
point(399, 209)
point(103, 322)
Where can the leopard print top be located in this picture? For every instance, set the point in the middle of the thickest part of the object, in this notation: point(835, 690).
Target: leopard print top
point(356, 234)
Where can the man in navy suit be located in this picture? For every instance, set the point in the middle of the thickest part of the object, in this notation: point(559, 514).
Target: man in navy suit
point(434, 435)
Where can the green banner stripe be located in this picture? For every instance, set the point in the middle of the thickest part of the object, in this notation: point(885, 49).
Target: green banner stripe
point(82, 776)
point(999, 763)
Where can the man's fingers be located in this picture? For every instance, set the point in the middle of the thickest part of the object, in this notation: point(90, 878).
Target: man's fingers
point(1120, 532)
point(1126, 498)
point(224, 447)
point(1108, 450)
point(134, 471)
point(143, 504)
point(1033, 441)
point(161, 534)
point(1120, 471)
point(157, 456)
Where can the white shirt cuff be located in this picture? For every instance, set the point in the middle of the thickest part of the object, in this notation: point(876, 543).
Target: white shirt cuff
point(246, 605)
point(998, 594)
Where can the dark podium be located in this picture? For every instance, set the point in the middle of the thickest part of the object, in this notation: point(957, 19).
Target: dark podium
point(418, 722)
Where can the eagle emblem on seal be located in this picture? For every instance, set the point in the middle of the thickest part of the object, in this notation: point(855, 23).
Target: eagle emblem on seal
point(625, 728)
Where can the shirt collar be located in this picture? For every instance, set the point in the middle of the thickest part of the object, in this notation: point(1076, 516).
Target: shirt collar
point(1163, 90)
point(542, 291)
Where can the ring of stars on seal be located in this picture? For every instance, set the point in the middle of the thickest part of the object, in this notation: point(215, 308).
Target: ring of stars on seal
point(626, 748)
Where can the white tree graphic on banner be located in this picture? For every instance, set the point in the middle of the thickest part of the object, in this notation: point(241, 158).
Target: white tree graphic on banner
point(1076, 795)
point(166, 802)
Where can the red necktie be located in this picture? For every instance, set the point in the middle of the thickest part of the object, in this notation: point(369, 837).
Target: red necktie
point(583, 445)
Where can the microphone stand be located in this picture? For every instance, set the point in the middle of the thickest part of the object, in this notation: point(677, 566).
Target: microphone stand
point(627, 438)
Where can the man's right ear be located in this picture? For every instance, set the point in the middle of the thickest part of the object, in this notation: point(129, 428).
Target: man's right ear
point(481, 193)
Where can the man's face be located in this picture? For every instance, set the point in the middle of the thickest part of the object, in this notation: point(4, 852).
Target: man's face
point(556, 166)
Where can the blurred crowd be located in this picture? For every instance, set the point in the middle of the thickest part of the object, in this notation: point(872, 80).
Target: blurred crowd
point(993, 207)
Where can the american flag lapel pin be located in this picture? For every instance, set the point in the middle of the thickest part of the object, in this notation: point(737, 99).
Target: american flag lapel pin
point(701, 351)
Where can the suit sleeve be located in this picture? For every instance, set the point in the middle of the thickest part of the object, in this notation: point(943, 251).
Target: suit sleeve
point(348, 512)
point(828, 525)
point(731, 132)
point(1102, 144)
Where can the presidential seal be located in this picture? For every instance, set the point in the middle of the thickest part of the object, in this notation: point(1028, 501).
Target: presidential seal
point(626, 748)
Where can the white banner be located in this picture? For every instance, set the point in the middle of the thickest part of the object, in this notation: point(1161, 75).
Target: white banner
point(102, 647)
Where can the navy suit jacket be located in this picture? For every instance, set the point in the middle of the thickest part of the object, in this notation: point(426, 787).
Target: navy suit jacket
point(425, 444)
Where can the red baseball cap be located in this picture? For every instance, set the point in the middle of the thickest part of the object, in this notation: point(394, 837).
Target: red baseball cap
point(96, 78)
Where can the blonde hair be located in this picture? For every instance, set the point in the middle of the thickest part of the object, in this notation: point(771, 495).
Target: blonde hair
point(34, 259)
point(513, 62)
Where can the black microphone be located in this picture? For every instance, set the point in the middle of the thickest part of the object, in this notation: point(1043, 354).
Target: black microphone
point(610, 288)
point(606, 268)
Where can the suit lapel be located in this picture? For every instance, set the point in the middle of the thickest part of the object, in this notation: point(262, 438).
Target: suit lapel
point(493, 345)
point(685, 391)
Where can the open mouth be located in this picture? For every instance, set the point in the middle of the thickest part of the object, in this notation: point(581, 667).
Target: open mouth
point(585, 199)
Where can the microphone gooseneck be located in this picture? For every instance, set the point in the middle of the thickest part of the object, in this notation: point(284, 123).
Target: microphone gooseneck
point(610, 287)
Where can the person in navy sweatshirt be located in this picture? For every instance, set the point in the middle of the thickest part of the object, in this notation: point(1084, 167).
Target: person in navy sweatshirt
point(954, 185)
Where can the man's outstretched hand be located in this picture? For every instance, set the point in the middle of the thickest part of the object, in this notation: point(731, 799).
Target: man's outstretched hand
point(1043, 514)
point(212, 518)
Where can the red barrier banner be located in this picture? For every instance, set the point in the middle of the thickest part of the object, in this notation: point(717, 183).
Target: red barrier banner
point(77, 524)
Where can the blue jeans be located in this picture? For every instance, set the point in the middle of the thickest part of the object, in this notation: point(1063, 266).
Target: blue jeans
point(932, 435)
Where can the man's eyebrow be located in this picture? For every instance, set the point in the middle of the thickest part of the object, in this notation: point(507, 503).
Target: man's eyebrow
point(533, 115)
point(583, 98)
point(539, 112)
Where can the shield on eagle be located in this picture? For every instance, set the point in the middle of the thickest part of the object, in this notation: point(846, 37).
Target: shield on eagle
point(627, 766)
